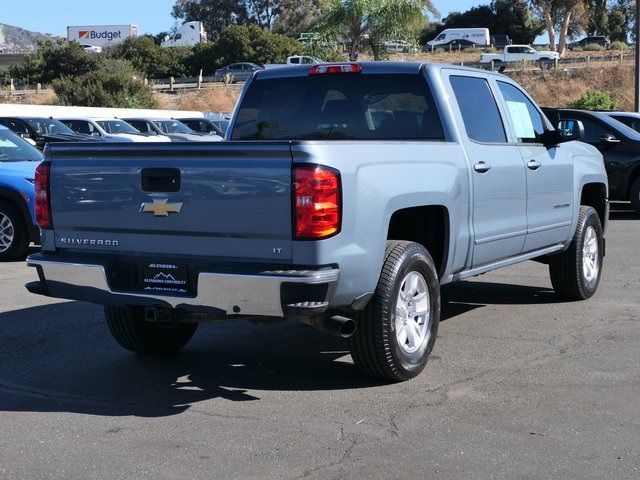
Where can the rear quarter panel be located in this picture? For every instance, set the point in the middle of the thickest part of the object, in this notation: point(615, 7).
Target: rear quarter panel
point(378, 179)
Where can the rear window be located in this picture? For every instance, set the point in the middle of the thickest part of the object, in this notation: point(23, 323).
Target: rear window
point(339, 107)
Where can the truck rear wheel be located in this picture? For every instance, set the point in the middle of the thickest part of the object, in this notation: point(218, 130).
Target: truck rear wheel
point(130, 329)
point(575, 273)
point(14, 239)
point(396, 332)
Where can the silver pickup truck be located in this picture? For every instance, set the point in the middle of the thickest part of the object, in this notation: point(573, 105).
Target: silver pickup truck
point(344, 196)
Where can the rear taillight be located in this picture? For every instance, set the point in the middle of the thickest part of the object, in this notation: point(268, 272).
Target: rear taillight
point(317, 202)
point(43, 202)
point(322, 69)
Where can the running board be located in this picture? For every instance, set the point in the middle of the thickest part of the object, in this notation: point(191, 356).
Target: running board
point(505, 263)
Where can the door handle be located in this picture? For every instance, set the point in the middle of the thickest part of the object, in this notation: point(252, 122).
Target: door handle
point(533, 165)
point(482, 167)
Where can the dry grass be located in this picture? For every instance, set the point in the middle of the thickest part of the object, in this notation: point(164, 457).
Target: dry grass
point(213, 98)
point(560, 89)
point(45, 97)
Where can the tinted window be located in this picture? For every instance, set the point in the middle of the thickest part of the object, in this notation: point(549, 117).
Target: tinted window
point(525, 117)
point(116, 126)
point(15, 149)
point(48, 126)
point(593, 131)
point(141, 126)
point(339, 107)
point(15, 126)
point(479, 109)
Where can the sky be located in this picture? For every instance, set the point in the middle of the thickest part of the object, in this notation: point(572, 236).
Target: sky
point(152, 16)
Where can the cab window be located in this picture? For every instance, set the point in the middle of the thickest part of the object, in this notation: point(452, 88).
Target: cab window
point(479, 110)
point(525, 117)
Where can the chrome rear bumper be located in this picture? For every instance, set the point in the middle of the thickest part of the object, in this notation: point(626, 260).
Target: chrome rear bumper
point(257, 294)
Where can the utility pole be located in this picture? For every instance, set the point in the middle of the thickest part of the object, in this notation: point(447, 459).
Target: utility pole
point(637, 56)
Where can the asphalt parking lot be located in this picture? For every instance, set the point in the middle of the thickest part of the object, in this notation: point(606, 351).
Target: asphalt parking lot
point(520, 385)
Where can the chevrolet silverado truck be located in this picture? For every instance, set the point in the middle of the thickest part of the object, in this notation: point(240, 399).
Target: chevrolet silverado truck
point(345, 196)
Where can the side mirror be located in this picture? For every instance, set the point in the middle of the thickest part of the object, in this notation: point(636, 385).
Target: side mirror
point(95, 134)
point(570, 130)
point(609, 139)
point(25, 135)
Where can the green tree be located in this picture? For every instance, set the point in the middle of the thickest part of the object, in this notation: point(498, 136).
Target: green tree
point(114, 84)
point(243, 43)
point(620, 19)
point(561, 16)
point(215, 14)
point(152, 60)
point(369, 23)
point(53, 60)
point(597, 17)
point(516, 19)
point(297, 16)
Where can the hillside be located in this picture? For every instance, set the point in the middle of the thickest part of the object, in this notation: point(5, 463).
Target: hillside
point(19, 40)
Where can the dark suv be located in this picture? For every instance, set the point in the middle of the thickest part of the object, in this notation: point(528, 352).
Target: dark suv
point(592, 40)
point(619, 145)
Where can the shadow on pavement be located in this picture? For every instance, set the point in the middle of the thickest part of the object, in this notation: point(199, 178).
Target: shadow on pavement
point(60, 357)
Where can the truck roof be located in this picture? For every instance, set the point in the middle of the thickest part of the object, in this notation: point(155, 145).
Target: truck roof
point(368, 68)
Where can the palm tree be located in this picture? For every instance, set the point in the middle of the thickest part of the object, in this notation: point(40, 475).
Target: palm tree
point(368, 23)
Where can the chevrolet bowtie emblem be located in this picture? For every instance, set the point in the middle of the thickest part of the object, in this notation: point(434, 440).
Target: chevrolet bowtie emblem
point(161, 207)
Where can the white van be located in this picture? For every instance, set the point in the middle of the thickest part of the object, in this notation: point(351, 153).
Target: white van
point(479, 36)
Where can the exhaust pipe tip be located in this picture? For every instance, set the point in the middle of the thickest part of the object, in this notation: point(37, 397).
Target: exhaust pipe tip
point(336, 325)
point(347, 328)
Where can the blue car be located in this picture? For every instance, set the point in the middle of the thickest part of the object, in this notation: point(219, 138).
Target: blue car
point(18, 227)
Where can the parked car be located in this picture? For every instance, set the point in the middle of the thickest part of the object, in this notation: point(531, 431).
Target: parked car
point(458, 44)
point(174, 129)
point(601, 40)
point(91, 48)
point(302, 60)
point(18, 227)
point(42, 130)
point(517, 53)
point(109, 129)
point(619, 145)
point(312, 212)
point(238, 72)
point(501, 41)
point(203, 125)
point(630, 119)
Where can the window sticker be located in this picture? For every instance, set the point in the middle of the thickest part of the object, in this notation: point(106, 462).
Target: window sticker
point(521, 120)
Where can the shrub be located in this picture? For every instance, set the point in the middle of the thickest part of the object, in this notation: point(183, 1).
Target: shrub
point(115, 84)
point(593, 47)
point(150, 59)
point(596, 100)
point(618, 46)
point(53, 60)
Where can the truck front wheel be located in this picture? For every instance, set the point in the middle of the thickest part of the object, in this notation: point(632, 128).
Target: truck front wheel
point(575, 273)
point(396, 332)
point(130, 329)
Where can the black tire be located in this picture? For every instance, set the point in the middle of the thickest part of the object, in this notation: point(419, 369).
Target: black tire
point(19, 244)
point(567, 270)
point(133, 332)
point(375, 347)
point(634, 195)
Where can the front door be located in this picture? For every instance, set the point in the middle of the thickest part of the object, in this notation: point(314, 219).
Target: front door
point(549, 173)
point(498, 173)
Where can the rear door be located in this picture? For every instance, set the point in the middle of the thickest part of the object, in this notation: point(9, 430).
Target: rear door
point(498, 172)
point(549, 172)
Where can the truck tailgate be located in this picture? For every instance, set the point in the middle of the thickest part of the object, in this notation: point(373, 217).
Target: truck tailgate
point(212, 200)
